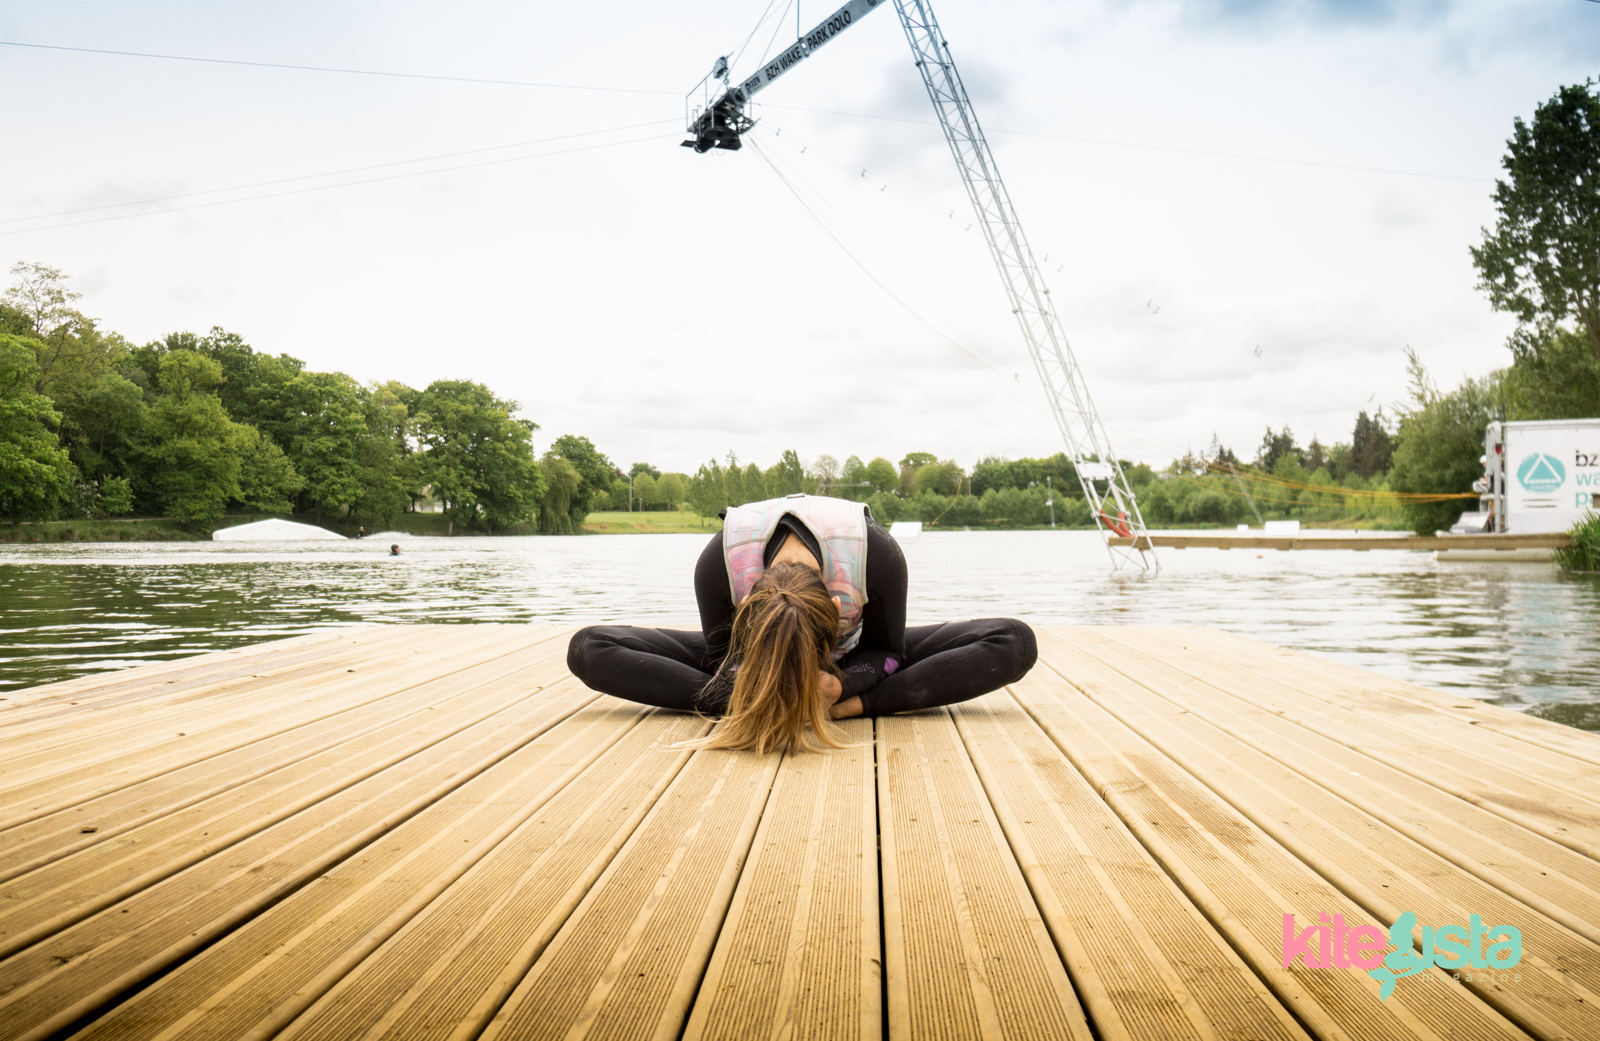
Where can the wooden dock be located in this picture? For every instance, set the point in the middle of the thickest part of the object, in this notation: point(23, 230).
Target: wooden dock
point(1507, 544)
point(418, 832)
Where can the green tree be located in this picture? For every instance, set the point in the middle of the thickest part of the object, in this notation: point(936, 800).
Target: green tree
point(35, 472)
point(853, 482)
point(65, 341)
point(116, 496)
point(708, 493)
point(325, 421)
point(755, 485)
point(562, 482)
point(192, 454)
point(597, 472)
point(267, 479)
point(1371, 446)
point(1559, 380)
point(384, 463)
point(882, 474)
point(1439, 444)
point(478, 457)
point(644, 490)
point(1542, 261)
point(1276, 446)
point(670, 491)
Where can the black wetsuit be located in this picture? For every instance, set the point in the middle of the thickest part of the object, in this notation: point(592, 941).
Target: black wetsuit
point(892, 669)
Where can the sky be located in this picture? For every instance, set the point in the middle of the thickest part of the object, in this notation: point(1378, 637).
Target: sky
point(1246, 211)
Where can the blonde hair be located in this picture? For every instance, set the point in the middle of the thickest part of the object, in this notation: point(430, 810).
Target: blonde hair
point(783, 637)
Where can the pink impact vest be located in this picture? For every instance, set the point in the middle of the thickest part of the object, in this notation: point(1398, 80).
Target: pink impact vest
point(841, 530)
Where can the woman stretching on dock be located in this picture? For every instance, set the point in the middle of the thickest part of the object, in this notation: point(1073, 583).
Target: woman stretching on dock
point(802, 620)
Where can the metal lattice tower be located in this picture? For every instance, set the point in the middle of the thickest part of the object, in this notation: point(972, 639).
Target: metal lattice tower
point(719, 120)
point(1058, 370)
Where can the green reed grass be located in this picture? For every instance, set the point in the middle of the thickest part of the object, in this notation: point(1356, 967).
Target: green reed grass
point(1585, 552)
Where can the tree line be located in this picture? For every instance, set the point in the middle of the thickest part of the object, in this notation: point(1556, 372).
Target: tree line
point(196, 426)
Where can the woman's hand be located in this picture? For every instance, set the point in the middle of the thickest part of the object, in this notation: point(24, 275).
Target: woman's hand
point(831, 690)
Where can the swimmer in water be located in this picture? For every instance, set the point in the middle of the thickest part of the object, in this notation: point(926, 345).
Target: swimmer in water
point(394, 550)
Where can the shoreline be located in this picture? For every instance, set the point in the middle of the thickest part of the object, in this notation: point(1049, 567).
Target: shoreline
point(681, 522)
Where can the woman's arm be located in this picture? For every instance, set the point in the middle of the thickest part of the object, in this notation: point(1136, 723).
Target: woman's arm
point(883, 622)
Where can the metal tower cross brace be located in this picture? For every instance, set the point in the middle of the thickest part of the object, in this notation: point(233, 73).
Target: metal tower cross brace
point(1064, 386)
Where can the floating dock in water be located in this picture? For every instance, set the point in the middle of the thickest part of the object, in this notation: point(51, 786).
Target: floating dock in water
point(1509, 545)
point(436, 832)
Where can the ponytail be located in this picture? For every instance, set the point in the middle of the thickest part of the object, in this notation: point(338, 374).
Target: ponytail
point(783, 638)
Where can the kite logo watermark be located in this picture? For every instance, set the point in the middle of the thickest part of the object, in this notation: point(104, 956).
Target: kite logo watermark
point(1540, 473)
point(1453, 948)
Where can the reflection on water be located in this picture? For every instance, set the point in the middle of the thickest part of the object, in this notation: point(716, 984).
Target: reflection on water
point(1522, 635)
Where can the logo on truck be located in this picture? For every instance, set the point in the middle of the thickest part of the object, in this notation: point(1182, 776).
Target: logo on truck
point(1541, 473)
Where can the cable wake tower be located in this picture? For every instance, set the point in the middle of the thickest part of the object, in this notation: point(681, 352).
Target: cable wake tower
point(720, 119)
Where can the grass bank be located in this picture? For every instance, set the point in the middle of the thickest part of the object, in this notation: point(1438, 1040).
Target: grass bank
point(141, 529)
point(652, 522)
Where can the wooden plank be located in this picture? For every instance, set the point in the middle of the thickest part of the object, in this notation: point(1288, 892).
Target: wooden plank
point(1375, 866)
point(627, 962)
point(966, 952)
point(150, 676)
point(1560, 540)
point(1560, 884)
point(76, 970)
point(1518, 781)
point(192, 813)
point(265, 974)
point(208, 719)
point(799, 956)
point(65, 788)
point(1144, 960)
point(128, 696)
point(1295, 669)
point(450, 968)
point(1241, 879)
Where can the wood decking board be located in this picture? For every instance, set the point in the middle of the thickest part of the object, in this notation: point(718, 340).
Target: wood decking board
point(1305, 672)
point(98, 740)
point(800, 956)
point(1559, 883)
point(72, 970)
point(1236, 874)
point(457, 840)
point(966, 952)
point(1377, 867)
point(1143, 958)
point(161, 840)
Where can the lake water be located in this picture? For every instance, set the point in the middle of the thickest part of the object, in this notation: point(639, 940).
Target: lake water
point(1518, 634)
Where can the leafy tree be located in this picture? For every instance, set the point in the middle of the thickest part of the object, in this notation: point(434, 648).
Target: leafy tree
point(192, 456)
point(1559, 380)
point(1275, 446)
point(267, 480)
point(670, 490)
point(991, 472)
point(733, 484)
point(644, 490)
point(882, 474)
point(1542, 261)
point(1371, 446)
point(788, 476)
point(562, 482)
point(825, 471)
point(325, 421)
point(853, 483)
point(384, 463)
point(644, 468)
point(116, 496)
point(65, 341)
point(35, 472)
point(1439, 444)
point(939, 478)
point(755, 486)
point(1316, 456)
point(598, 473)
point(478, 458)
point(708, 493)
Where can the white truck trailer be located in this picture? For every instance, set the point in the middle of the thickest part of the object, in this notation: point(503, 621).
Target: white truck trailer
point(1539, 477)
